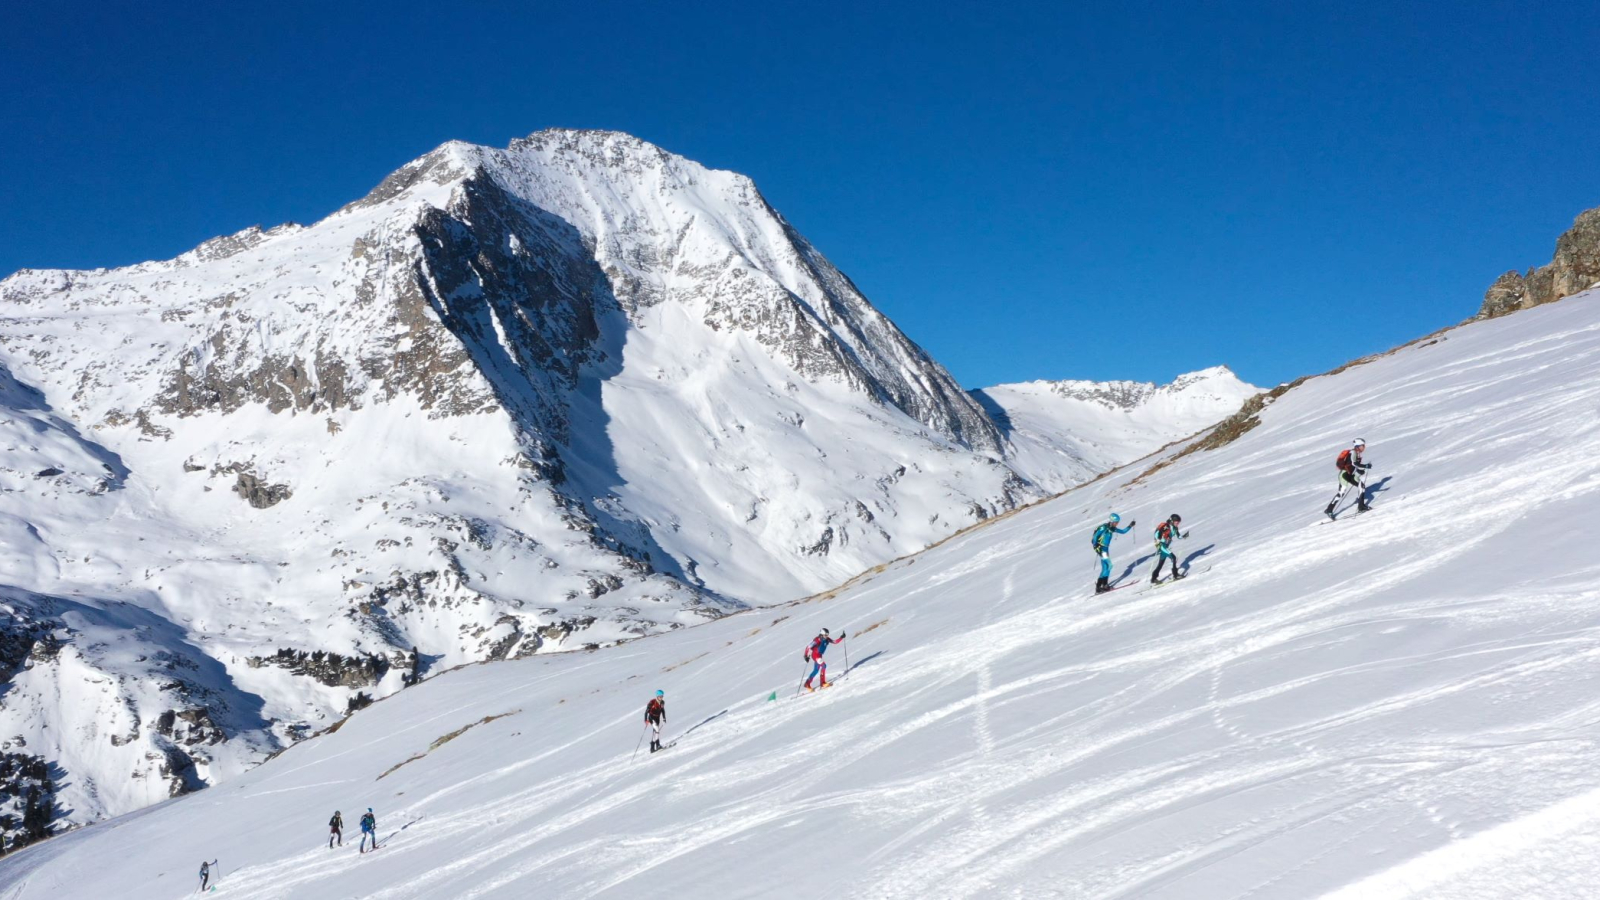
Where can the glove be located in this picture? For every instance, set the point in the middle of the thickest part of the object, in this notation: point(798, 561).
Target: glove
point(1186, 534)
point(842, 635)
point(1366, 466)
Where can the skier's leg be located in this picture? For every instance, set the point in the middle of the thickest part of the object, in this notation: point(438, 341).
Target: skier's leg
point(1344, 485)
point(823, 670)
point(813, 675)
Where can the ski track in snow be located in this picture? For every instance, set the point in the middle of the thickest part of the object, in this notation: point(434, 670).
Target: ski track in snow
point(1401, 707)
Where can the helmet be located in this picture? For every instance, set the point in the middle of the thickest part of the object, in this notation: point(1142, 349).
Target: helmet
point(660, 694)
point(1116, 518)
point(1175, 518)
point(824, 631)
point(1359, 442)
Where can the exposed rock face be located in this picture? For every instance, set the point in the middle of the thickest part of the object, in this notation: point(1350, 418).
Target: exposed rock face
point(1575, 268)
point(27, 800)
point(331, 669)
point(258, 493)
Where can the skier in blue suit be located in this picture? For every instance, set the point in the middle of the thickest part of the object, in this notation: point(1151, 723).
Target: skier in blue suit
point(1102, 549)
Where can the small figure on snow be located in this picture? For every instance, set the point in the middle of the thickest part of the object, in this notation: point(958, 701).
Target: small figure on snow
point(655, 714)
point(369, 828)
point(1352, 473)
point(205, 874)
point(336, 829)
point(1102, 549)
point(1166, 533)
point(813, 655)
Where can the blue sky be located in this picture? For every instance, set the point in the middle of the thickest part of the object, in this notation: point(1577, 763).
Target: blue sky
point(1111, 190)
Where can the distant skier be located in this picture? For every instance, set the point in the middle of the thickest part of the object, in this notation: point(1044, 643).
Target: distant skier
point(1166, 533)
point(655, 714)
point(205, 874)
point(369, 828)
point(1102, 549)
point(1352, 474)
point(336, 829)
point(819, 645)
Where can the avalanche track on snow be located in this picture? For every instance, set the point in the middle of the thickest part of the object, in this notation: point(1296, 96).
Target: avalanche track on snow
point(1404, 705)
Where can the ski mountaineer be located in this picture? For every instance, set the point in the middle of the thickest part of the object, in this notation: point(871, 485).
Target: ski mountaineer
point(1102, 549)
point(336, 829)
point(369, 828)
point(205, 874)
point(655, 713)
point(1166, 533)
point(813, 655)
point(1352, 473)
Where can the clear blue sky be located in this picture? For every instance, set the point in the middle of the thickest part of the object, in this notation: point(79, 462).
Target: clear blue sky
point(1108, 190)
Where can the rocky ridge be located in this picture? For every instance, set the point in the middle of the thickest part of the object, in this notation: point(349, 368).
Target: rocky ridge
point(1574, 268)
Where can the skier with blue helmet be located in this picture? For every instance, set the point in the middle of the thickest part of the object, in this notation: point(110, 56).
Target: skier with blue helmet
point(655, 713)
point(1102, 549)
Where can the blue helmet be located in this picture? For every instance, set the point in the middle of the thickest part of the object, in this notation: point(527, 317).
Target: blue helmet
point(660, 694)
point(1116, 518)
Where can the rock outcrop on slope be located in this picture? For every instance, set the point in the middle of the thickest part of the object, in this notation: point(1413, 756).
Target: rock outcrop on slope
point(1575, 267)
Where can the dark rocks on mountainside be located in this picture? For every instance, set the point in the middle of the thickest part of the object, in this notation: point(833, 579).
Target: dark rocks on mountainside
point(189, 727)
point(27, 800)
point(260, 494)
point(1575, 267)
point(331, 669)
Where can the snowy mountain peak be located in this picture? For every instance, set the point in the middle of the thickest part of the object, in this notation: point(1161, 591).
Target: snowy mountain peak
point(1214, 382)
point(562, 394)
point(1107, 423)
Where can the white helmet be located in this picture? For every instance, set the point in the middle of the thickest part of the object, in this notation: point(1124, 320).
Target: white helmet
point(1359, 442)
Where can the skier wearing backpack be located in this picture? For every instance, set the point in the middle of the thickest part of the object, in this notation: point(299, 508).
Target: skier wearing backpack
point(1166, 533)
point(813, 655)
point(1102, 549)
point(336, 829)
point(369, 828)
point(205, 874)
point(655, 713)
point(1352, 473)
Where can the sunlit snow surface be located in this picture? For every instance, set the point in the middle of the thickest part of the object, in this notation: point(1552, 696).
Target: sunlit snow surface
point(1398, 704)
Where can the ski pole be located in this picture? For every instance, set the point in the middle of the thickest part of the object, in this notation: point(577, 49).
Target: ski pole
point(846, 660)
point(639, 744)
point(802, 682)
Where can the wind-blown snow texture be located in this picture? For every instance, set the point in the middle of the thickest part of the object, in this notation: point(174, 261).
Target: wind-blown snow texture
point(561, 394)
point(1397, 704)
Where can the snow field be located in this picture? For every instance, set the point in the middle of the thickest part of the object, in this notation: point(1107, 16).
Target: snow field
point(1398, 704)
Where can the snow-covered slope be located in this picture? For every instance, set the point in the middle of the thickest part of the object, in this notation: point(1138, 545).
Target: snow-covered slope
point(514, 400)
point(1104, 424)
point(1396, 704)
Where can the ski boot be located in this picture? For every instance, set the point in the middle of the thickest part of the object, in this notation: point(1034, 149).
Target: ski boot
point(1329, 510)
point(1363, 506)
